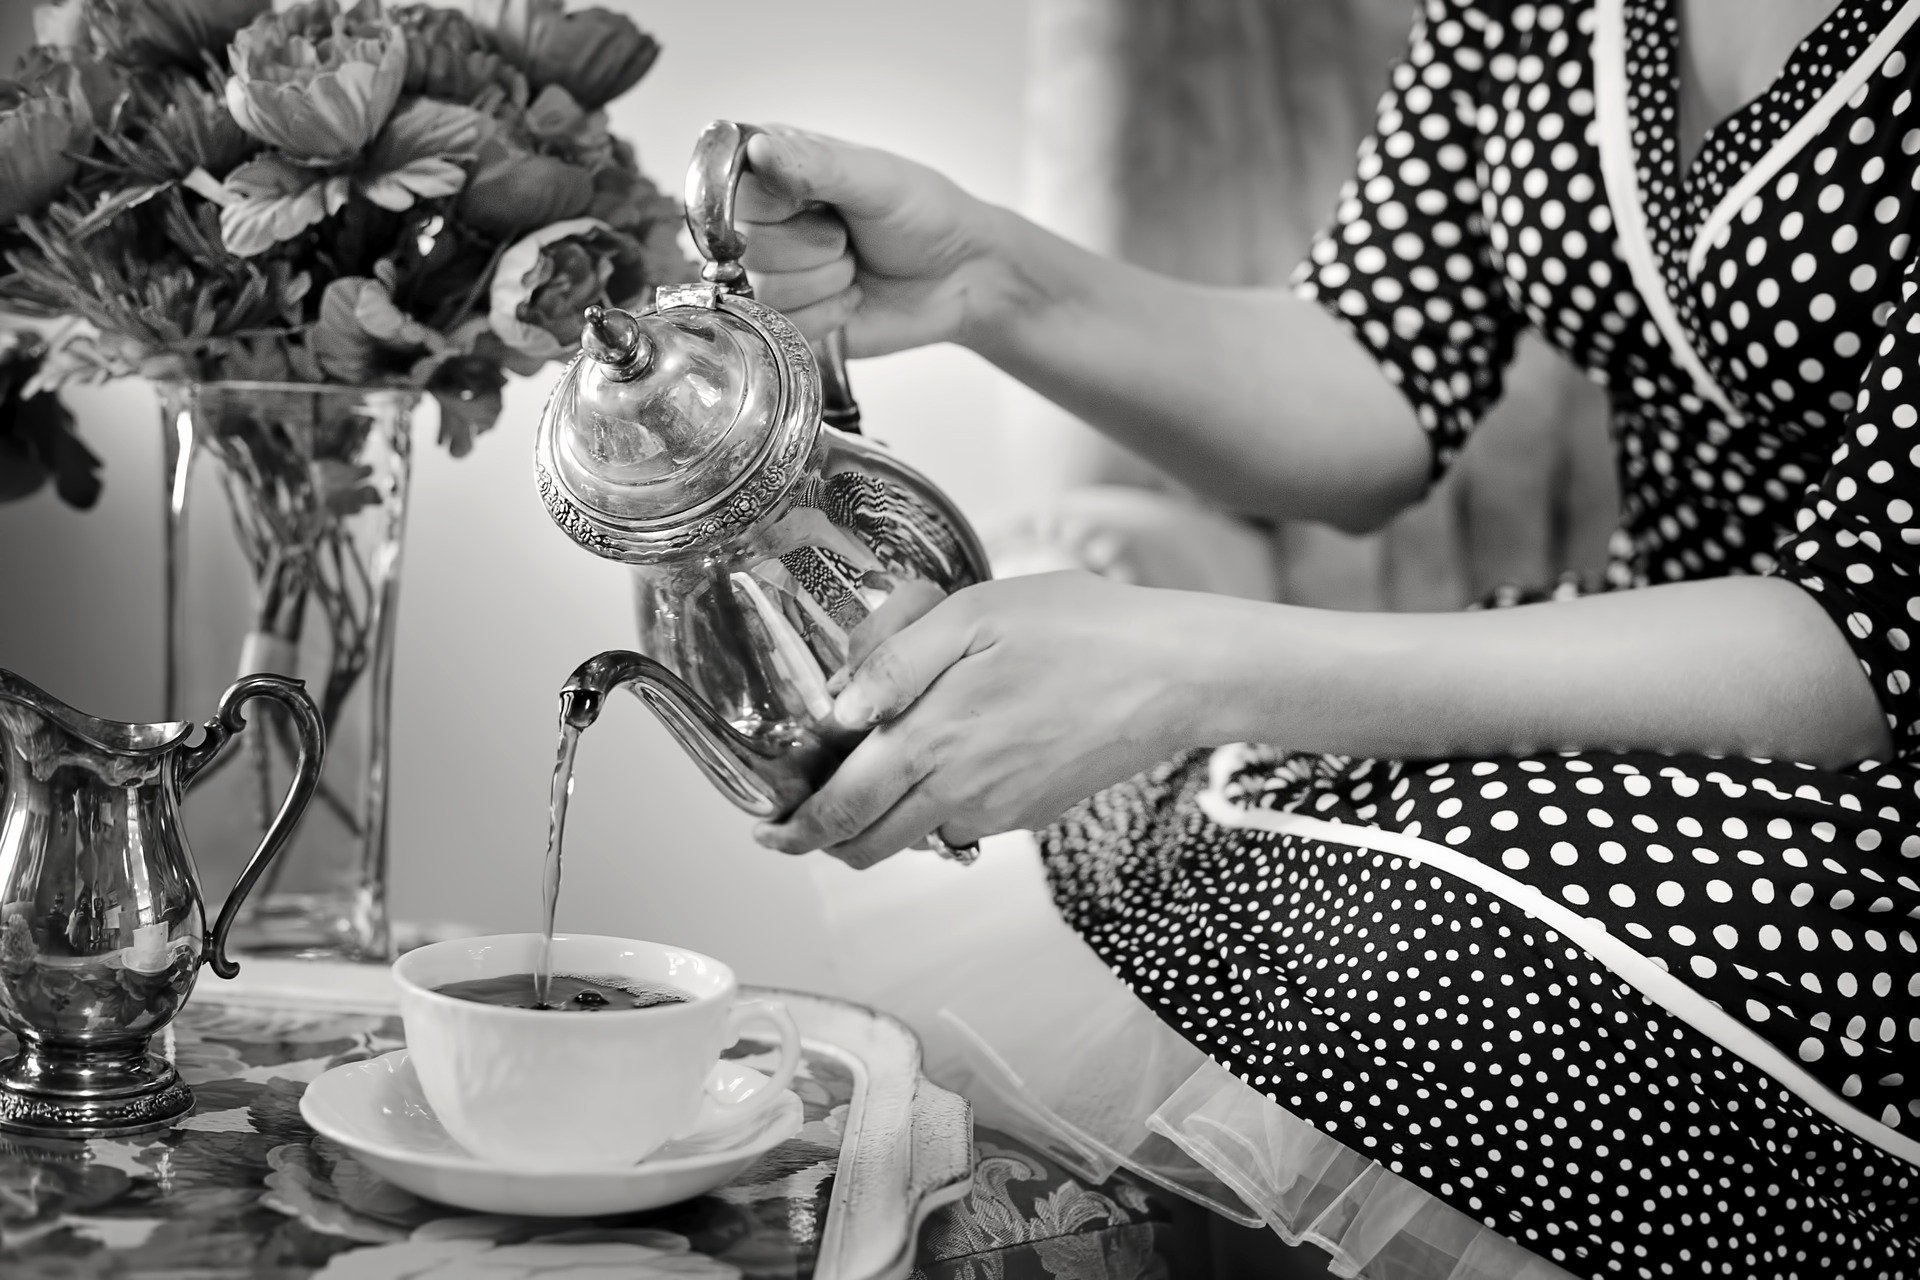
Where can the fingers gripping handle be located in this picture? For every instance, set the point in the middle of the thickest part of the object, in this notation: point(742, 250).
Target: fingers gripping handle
point(773, 1014)
point(713, 179)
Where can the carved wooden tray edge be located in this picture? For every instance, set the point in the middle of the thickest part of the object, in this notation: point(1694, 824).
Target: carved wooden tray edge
point(909, 1143)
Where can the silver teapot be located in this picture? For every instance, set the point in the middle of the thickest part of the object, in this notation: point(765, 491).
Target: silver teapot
point(702, 443)
point(101, 926)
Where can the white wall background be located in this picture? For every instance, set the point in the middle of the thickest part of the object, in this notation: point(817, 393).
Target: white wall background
point(497, 606)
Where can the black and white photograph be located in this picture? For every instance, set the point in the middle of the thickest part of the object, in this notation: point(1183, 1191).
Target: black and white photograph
point(1021, 640)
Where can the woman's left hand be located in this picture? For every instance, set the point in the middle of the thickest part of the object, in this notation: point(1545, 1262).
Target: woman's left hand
point(1000, 708)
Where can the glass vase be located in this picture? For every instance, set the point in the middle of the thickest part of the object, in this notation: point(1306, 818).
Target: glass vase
point(287, 509)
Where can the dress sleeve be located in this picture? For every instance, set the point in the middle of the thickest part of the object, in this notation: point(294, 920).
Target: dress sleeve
point(1853, 545)
point(1407, 262)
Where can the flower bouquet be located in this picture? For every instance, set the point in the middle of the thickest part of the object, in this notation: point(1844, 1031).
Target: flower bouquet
point(302, 223)
point(420, 196)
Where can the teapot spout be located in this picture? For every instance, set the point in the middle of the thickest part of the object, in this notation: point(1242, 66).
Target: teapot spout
point(749, 776)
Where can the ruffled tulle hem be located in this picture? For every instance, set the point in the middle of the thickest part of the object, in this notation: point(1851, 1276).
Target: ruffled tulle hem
point(1019, 1015)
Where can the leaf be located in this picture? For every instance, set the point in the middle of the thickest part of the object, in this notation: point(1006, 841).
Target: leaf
point(514, 190)
point(342, 347)
point(362, 336)
point(343, 487)
point(421, 180)
point(76, 470)
point(293, 292)
point(265, 177)
point(419, 155)
point(21, 473)
point(376, 312)
point(427, 128)
point(113, 204)
point(37, 441)
point(269, 201)
point(250, 227)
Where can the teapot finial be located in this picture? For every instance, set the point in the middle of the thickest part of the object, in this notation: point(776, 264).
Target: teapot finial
point(614, 339)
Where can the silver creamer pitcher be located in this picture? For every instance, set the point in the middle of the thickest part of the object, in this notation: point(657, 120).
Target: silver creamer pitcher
point(700, 442)
point(101, 926)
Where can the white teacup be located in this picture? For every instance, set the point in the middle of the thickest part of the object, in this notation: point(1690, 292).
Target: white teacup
point(540, 1089)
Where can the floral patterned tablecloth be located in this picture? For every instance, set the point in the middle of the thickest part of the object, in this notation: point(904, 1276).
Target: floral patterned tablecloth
point(243, 1188)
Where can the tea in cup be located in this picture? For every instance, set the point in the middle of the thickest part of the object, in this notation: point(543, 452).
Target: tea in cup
point(614, 1067)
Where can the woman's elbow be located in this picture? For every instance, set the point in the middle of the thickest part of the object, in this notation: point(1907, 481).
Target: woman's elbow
point(1365, 501)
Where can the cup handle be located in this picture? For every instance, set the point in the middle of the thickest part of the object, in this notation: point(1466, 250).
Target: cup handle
point(774, 1014)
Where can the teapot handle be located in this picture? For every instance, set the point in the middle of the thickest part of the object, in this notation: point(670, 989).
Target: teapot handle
point(312, 736)
point(719, 158)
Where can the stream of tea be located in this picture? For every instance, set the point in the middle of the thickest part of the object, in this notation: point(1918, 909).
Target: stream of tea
point(557, 797)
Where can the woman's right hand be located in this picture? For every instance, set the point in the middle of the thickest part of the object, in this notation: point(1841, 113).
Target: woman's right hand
point(843, 236)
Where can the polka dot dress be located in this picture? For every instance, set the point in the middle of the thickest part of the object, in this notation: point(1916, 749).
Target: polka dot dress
point(1649, 1015)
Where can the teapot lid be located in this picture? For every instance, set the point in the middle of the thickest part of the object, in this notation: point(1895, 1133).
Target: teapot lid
point(678, 426)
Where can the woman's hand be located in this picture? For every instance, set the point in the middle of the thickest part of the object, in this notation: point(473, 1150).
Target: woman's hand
point(1002, 707)
point(846, 236)
point(1227, 390)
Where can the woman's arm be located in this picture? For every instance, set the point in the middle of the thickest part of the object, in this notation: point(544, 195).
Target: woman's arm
point(1012, 701)
point(1253, 397)
point(1735, 666)
point(1256, 398)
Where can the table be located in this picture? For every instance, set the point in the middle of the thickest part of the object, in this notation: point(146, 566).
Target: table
point(242, 1188)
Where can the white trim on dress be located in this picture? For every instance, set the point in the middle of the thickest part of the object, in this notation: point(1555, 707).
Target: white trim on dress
point(1619, 173)
point(1804, 131)
point(1589, 934)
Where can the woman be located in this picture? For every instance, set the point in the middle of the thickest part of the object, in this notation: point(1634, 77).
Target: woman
point(1594, 917)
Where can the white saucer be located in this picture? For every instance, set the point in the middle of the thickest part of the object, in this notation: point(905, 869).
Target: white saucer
point(376, 1110)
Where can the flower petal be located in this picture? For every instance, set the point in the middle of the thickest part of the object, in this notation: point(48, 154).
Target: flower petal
point(522, 268)
point(36, 164)
point(320, 99)
point(544, 282)
point(343, 103)
point(469, 391)
point(62, 25)
point(595, 53)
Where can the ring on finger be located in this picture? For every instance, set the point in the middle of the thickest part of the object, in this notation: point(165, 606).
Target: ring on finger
point(964, 854)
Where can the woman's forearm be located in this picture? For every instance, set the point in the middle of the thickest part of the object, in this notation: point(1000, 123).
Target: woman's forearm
point(1738, 666)
point(1254, 398)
